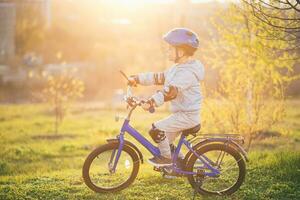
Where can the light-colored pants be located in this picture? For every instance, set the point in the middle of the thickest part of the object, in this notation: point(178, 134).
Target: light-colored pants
point(173, 125)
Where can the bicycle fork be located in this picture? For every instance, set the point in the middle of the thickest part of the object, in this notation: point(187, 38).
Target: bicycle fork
point(113, 161)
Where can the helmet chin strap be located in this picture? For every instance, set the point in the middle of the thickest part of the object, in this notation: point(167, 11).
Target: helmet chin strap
point(177, 58)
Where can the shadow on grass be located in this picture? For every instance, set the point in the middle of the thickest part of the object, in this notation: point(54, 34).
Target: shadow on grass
point(54, 136)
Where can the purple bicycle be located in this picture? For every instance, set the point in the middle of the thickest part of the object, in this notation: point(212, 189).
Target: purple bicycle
point(214, 163)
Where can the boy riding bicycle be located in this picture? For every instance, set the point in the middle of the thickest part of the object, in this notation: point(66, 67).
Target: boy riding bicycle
point(180, 86)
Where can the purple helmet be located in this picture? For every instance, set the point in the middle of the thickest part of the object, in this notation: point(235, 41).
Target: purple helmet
point(182, 37)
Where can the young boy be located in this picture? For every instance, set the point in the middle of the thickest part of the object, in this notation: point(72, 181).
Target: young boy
point(180, 86)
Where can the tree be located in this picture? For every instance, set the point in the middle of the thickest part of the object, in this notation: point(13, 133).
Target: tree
point(252, 75)
point(60, 91)
point(281, 19)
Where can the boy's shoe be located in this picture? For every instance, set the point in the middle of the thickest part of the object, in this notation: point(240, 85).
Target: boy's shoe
point(160, 161)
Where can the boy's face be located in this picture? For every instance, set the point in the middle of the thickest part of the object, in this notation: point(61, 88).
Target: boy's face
point(171, 52)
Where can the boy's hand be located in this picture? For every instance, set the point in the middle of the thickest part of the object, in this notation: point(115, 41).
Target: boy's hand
point(133, 81)
point(148, 104)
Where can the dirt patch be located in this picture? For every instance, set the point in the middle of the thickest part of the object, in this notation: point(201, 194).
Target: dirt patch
point(54, 137)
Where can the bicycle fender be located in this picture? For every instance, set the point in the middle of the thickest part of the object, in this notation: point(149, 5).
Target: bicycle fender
point(131, 145)
point(217, 140)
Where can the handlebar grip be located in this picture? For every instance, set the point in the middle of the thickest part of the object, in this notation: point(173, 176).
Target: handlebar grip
point(131, 84)
point(151, 109)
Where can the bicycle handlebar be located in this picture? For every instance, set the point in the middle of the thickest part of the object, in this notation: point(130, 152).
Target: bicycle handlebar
point(132, 100)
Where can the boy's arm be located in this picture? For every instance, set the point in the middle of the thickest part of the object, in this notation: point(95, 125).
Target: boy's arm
point(150, 78)
point(181, 81)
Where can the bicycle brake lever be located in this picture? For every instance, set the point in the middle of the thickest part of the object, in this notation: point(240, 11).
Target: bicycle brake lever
point(124, 75)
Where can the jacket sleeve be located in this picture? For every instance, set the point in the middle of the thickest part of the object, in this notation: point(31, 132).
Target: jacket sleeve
point(151, 78)
point(182, 80)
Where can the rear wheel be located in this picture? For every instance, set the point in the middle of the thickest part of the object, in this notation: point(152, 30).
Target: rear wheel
point(97, 169)
point(227, 160)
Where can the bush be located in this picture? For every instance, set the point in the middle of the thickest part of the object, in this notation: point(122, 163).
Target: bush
point(4, 168)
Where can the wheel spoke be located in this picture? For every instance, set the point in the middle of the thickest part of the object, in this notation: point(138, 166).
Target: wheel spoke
point(100, 171)
point(220, 158)
point(230, 166)
point(226, 162)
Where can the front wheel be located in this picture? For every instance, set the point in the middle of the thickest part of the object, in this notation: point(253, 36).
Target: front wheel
point(97, 169)
point(227, 160)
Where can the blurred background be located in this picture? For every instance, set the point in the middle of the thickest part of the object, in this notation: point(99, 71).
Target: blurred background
point(95, 39)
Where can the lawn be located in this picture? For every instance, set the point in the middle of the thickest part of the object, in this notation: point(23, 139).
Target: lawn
point(37, 164)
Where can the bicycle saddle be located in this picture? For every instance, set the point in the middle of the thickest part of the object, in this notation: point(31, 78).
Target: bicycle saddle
point(192, 130)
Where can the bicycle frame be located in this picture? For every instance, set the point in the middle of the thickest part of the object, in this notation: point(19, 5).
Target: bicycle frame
point(155, 151)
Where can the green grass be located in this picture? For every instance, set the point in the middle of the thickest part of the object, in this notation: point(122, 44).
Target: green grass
point(35, 165)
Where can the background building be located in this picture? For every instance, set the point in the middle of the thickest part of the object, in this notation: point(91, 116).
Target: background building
point(7, 30)
point(11, 12)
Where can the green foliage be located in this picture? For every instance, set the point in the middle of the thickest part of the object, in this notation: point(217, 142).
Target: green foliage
point(4, 168)
point(280, 169)
point(252, 75)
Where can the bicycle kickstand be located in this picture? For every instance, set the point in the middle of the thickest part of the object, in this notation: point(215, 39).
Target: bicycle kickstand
point(199, 181)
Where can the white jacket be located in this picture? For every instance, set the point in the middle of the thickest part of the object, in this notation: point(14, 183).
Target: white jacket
point(186, 78)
